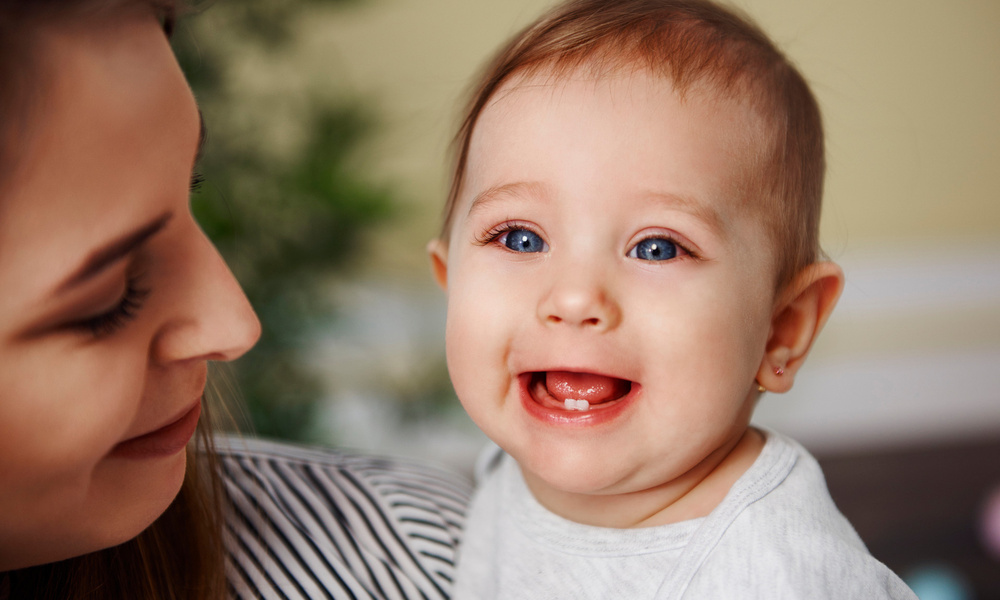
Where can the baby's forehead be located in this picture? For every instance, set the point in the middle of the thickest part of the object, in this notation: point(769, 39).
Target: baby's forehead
point(602, 69)
point(744, 117)
point(744, 134)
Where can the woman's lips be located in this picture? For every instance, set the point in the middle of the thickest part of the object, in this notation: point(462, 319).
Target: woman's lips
point(543, 405)
point(165, 441)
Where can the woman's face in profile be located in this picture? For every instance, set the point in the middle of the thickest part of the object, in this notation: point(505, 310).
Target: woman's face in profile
point(112, 298)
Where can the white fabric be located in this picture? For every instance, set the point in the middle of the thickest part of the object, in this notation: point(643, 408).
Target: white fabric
point(776, 535)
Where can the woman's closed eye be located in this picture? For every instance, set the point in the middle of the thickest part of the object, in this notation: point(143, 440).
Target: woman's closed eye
point(117, 317)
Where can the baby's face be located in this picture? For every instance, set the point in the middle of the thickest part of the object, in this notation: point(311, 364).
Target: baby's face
point(609, 301)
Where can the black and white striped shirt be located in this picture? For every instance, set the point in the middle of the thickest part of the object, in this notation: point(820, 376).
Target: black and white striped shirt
point(317, 523)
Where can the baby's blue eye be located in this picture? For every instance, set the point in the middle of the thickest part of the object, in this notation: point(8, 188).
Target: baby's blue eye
point(654, 249)
point(523, 240)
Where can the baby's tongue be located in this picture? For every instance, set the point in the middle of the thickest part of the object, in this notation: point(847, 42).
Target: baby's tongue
point(585, 386)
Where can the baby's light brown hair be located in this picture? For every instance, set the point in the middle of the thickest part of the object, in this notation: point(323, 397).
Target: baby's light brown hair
point(694, 43)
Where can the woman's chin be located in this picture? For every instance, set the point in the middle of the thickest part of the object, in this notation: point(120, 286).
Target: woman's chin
point(121, 512)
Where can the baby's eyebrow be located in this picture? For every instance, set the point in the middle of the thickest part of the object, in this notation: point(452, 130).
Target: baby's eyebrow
point(521, 189)
point(704, 212)
point(536, 190)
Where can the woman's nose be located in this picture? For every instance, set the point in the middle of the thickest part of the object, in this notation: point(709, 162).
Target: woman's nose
point(578, 297)
point(213, 318)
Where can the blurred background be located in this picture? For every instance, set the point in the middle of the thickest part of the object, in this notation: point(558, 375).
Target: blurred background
point(325, 170)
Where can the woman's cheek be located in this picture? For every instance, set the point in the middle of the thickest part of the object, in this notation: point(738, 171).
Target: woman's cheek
point(102, 394)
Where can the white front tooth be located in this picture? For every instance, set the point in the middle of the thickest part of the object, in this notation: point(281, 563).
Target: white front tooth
point(574, 404)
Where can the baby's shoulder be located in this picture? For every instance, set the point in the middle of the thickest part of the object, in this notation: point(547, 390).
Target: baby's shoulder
point(793, 538)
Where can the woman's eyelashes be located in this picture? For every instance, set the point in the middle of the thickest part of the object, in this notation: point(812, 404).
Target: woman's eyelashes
point(121, 314)
point(196, 180)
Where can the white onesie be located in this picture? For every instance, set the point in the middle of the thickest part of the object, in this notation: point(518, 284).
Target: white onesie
point(776, 535)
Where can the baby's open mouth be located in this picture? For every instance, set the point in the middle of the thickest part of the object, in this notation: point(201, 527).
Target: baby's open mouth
point(569, 390)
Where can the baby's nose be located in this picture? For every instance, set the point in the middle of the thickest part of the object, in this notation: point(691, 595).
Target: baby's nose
point(579, 302)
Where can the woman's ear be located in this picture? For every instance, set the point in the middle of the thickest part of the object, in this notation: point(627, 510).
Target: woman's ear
point(800, 313)
point(438, 252)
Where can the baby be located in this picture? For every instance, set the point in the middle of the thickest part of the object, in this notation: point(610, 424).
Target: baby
point(630, 256)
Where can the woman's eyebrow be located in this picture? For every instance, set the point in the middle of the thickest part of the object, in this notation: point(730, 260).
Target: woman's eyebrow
point(105, 256)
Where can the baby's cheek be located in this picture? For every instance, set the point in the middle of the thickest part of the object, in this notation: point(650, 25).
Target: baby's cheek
point(474, 353)
point(460, 342)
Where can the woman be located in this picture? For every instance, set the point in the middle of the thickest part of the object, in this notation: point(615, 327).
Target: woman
point(113, 303)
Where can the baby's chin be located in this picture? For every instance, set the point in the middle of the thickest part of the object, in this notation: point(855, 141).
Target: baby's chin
point(565, 472)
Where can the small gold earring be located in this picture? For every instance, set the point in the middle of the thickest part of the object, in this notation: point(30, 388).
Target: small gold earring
point(761, 388)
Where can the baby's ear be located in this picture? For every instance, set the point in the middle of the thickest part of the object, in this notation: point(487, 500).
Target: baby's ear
point(438, 252)
point(800, 313)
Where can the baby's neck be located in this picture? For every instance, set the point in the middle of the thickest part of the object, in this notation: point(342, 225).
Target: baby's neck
point(695, 494)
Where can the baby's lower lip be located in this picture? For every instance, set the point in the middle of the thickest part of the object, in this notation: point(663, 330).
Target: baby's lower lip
point(165, 441)
point(544, 407)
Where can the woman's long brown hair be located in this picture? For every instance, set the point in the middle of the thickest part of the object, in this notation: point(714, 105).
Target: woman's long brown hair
point(181, 555)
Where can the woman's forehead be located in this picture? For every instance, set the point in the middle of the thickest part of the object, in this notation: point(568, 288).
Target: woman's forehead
point(119, 123)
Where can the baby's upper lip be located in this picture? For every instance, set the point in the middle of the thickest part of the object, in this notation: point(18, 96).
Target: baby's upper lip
point(584, 370)
point(604, 361)
point(601, 372)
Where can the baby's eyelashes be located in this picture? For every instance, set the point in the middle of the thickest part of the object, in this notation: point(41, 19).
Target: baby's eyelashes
point(656, 249)
point(523, 240)
point(515, 237)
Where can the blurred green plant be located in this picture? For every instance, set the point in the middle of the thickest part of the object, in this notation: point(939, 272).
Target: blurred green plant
point(286, 216)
